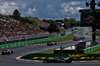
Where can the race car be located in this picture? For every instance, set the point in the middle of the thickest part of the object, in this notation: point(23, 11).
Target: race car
point(82, 37)
point(76, 39)
point(6, 52)
point(58, 60)
point(51, 43)
point(86, 33)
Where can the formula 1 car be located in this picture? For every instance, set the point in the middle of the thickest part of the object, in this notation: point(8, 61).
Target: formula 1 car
point(6, 52)
point(82, 37)
point(86, 33)
point(58, 60)
point(76, 39)
point(51, 43)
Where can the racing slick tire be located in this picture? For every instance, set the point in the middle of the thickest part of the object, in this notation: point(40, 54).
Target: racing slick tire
point(68, 61)
point(9, 53)
point(44, 61)
point(2, 53)
point(12, 52)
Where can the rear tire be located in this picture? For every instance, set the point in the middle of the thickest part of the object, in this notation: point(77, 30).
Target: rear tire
point(68, 61)
point(8, 53)
point(44, 61)
point(2, 53)
point(12, 52)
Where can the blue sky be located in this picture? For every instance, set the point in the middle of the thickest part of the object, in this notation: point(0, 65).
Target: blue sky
point(44, 9)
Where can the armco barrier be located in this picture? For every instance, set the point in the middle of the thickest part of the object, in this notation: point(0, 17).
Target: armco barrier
point(31, 41)
point(91, 49)
point(80, 51)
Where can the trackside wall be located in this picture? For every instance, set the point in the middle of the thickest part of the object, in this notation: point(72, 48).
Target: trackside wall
point(31, 41)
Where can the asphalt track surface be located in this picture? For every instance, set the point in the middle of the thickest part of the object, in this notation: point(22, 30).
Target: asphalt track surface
point(10, 60)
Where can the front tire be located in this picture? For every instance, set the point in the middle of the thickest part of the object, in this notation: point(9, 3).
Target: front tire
point(2, 53)
point(68, 61)
point(45, 61)
point(8, 53)
point(12, 52)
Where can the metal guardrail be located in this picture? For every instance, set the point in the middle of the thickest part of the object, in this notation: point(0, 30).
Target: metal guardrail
point(91, 49)
point(18, 38)
point(3, 46)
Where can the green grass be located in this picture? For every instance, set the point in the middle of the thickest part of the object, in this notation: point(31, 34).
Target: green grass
point(95, 55)
point(68, 38)
point(34, 22)
point(51, 51)
point(95, 52)
point(98, 35)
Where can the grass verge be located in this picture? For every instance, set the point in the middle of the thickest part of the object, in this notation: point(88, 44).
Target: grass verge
point(94, 55)
point(98, 35)
point(95, 52)
point(68, 38)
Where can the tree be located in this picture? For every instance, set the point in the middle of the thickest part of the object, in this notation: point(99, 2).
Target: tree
point(65, 24)
point(33, 21)
point(72, 20)
point(36, 18)
point(66, 20)
point(16, 13)
point(44, 20)
point(53, 27)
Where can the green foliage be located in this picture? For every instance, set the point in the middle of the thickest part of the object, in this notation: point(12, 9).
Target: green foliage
point(16, 13)
point(65, 24)
point(53, 27)
point(30, 20)
point(35, 18)
point(71, 22)
point(44, 20)
point(49, 21)
point(34, 21)
point(66, 20)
